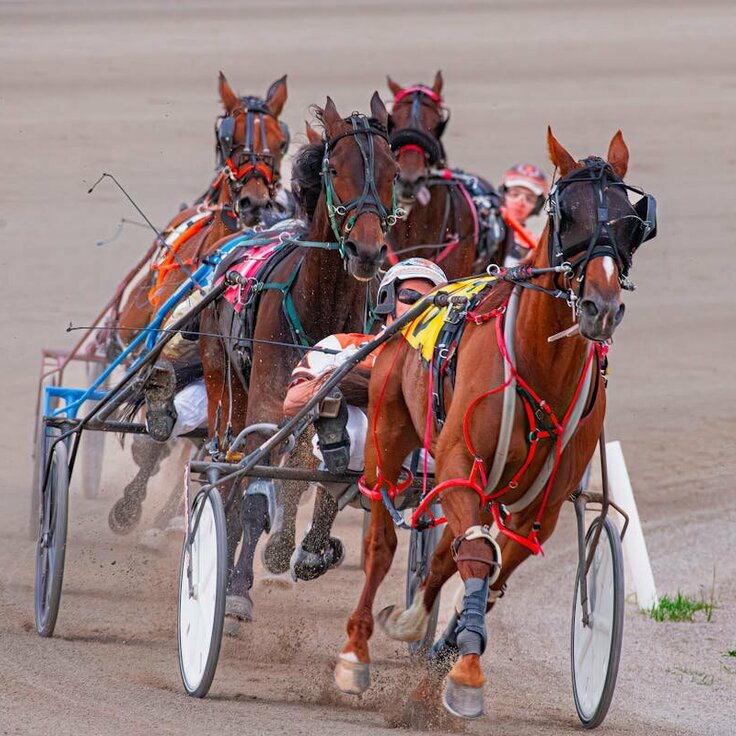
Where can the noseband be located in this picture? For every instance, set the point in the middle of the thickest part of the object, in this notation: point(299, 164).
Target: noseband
point(415, 137)
point(363, 131)
point(603, 240)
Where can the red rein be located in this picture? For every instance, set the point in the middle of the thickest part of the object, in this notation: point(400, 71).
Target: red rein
point(477, 480)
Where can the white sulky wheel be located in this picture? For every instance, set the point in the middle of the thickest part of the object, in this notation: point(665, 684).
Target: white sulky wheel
point(93, 443)
point(596, 648)
point(202, 584)
point(421, 548)
point(51, 543)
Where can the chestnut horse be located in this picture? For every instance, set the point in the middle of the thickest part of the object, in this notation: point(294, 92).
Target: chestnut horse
point(443, 221)
point(345, 183)
point(251, 143)
point(555, 405)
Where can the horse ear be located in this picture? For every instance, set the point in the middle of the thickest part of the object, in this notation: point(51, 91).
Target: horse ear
point(438, 82)
point(378, 110)
point(276, 96)
point(395, 88)
point(312, 135)
point(229, 98)
point(618, 155)
point(331, 118)
point(559, 156)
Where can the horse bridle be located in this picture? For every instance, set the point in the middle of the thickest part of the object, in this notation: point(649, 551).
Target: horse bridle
point(414, 137)
point(602, 241)
point(342, 222)
point(261, 165)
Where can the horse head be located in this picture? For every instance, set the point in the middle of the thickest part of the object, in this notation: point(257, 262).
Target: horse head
point(251, 143)
point(357, 172)
point(418, 119)
point(595, 227)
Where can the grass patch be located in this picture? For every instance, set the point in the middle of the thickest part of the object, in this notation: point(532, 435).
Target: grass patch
point(682, 608)
point(731, 652)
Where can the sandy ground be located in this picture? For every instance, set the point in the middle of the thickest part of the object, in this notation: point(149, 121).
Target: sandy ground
point(130, 88)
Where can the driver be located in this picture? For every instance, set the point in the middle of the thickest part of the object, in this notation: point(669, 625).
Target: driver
point(341, 428)
point(523, 189)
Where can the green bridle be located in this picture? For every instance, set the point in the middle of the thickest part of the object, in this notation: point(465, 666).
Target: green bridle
point(368, 201)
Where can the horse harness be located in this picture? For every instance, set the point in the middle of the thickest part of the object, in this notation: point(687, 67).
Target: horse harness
point(363, 130)
point(542, 423)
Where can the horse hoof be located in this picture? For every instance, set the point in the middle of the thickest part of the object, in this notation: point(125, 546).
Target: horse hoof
point(463, 701)
point(307, 565)
point(239, 607)
point(277, 553)
point(404, 625)
point(124, 516)
point(351, 676)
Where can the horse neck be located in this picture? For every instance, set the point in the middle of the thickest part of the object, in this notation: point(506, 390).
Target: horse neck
point(428, 225)
point(328, 298)
point(551, 369)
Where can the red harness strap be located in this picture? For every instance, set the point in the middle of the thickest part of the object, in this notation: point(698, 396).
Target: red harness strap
point(477, 480)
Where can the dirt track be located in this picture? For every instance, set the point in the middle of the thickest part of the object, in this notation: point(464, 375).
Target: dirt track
point(130, 88)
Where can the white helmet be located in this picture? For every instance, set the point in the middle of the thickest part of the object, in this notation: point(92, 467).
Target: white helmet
point(411, 268)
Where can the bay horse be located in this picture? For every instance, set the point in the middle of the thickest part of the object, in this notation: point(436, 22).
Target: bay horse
point(250, 145)
point(251, 142)
point(525, 460)
point(345, 184)
point(443, 205)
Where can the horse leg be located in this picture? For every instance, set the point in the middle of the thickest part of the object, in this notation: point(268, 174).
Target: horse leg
point(127, 511)
point(478, 559)
point(352, 673)
point(222, 388)
point(318, 552)
point(411, 624)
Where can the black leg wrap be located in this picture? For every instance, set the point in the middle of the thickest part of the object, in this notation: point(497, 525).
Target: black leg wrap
point(471, 628)
point(253, 515)
point(331, 426)
point(159, 394)
point(265, 489)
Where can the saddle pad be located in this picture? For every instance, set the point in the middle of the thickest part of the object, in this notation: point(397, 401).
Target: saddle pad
point(423, 332)
point(248, 266)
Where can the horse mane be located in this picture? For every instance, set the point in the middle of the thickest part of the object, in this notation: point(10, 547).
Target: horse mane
point(306, 179)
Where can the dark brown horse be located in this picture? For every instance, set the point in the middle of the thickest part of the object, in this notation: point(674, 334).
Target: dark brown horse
point(344, 182)
point(485, 455)
point(443, 221)
point(250, 144)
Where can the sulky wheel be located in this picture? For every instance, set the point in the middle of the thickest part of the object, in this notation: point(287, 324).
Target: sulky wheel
point(51, 544)
point(596, 647)
point(421, 548)
point(93, 443)
point(202, 585)
point(39, 456)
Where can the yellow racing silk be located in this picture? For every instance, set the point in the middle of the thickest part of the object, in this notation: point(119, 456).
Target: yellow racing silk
point(423, 332)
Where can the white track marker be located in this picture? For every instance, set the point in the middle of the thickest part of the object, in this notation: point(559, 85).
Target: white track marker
point(634, 546)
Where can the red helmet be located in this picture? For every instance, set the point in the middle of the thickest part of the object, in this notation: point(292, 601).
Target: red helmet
point(526, 175)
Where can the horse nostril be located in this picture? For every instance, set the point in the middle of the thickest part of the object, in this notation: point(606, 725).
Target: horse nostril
point(245, 203)
point(589, 308)
point(352, 249)
point(382, 253)
point(619, 315)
